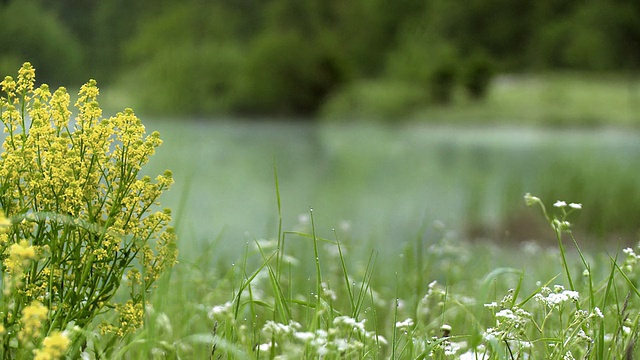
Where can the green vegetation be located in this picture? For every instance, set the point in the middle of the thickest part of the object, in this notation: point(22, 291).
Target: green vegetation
point(289, 57)
point(560, 99)
point(300, 295)
point(77, 222)
point(77, 204)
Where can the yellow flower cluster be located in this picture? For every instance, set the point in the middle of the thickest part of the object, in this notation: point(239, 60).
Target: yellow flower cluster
point(54, 347)
point(77, 217)
point(20, 256)
point(33, 317)
point(131, 317)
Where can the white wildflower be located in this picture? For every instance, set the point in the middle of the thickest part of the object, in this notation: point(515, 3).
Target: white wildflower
point(506, 314)
point(556, 298)
point(264, 347)
point(304, 336)
point(450, 349)
point(576, 206)
point(405, 324)
point(560, 204)
point(573, 295)
point(380, 339)
point(351, 323)
point(327, 293)
point(583, 336)
point(596, 310)
point(220, 310)
point(342, 345)
point(272, 328)
point(491, 305)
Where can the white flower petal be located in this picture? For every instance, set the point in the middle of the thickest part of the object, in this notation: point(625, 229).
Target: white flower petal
point(560, 203)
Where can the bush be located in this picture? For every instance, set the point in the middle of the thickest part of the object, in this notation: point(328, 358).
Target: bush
point(476, 75)
point(187, 79)
point(288, 74)
point(374, 100)
point(427, 62)
point(184, 70)
point(79, 220)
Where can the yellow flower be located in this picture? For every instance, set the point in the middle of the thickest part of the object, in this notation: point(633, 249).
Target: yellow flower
point(131, 317)
point(26, 78)
point(4, 223)
point(22, 251)
point(81, 188)
point(8, 86)
point(54, 347)
point(32, 318)
point(19, 256)
point(34, 311)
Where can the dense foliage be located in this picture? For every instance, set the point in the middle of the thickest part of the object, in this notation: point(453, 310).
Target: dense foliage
point(290, 57)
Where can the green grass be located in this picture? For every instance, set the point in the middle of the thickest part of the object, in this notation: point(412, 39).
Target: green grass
point(561, 99)
point(548, 99)
point(301, 294)
point(257, 280)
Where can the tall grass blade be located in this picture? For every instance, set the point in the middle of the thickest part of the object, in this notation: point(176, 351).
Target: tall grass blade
point(280, 252)
point(281, 303)
point(317, 262)
point(345, 273)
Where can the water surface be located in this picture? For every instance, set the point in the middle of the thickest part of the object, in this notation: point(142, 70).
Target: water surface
point(375, 185)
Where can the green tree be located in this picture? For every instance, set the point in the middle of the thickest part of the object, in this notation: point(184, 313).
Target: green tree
point(29, 32)
point(186, 49)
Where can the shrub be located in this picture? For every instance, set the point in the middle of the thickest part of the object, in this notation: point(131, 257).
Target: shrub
point(476, 76)
point(167, 60)
point(377, 100)
point(289, 74)
point(79, 219)
point(427, 62)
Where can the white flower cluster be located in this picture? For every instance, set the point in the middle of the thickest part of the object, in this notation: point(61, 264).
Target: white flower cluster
point(510, 324)
point(561, 204)
point(278, 330)
point(631, 260)
point(405, 325)
point(556, 297)
point(220, 311)
point(346, 336)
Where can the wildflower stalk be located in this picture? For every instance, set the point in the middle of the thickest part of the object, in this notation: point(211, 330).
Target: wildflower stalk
point(558, 225)
point(83, 221)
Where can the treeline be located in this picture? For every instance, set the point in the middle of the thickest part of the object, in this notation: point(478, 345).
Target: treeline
point(302, 57)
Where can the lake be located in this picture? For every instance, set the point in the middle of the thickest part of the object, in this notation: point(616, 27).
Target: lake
point(379, 186)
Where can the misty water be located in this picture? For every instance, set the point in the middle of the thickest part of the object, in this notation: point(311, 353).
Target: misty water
point(375, 185)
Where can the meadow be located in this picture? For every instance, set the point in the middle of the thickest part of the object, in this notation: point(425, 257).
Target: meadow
point(323, 240)
point(410, 241)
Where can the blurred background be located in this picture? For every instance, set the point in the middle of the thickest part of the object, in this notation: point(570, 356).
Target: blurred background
point(386, 117)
